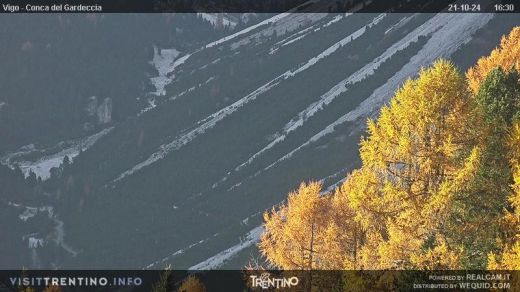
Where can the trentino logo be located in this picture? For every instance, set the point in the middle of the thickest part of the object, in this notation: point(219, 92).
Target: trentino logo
point(265, 281)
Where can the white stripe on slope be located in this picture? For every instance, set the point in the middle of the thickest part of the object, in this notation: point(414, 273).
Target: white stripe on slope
point(271, 20)
point(332, 93)
point(456, 31)
point(179, 252)
point(217, 260)
point(303, 33)
point(252, 237)
point(209, 122)
point(165, 77)
point(248, 29)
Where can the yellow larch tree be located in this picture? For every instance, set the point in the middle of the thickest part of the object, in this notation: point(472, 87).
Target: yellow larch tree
point(507, 56)
point(509, 258)
point(434, 169)
point(293, 236)
point(417, 155)
point(344, 235)
point(192, 284)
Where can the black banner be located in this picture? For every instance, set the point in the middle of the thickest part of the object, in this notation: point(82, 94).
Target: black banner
point(257, 6)
point(257, 280)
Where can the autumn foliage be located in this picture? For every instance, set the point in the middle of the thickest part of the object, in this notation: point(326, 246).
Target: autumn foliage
point(439, 185)
point(506, 56)
point(192, 284)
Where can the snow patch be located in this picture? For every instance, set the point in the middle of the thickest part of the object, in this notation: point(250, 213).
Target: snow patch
point(35, 242)
point(253, 236)
point(192, 88)
point(165, 61)
point(178, 252)
point(291, 22)
point(215, 18)
point(334, 20)
point(42, 167)
point(449, 32)
point(329, 96)
point(210, 121)
point(151, 105)
point(400, 23)
point(29, 212)
point(59, 231)
point(290, 39)
point(217, 260)
point(248, 29)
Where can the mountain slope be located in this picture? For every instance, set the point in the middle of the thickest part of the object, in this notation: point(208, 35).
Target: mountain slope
point(238, 122)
